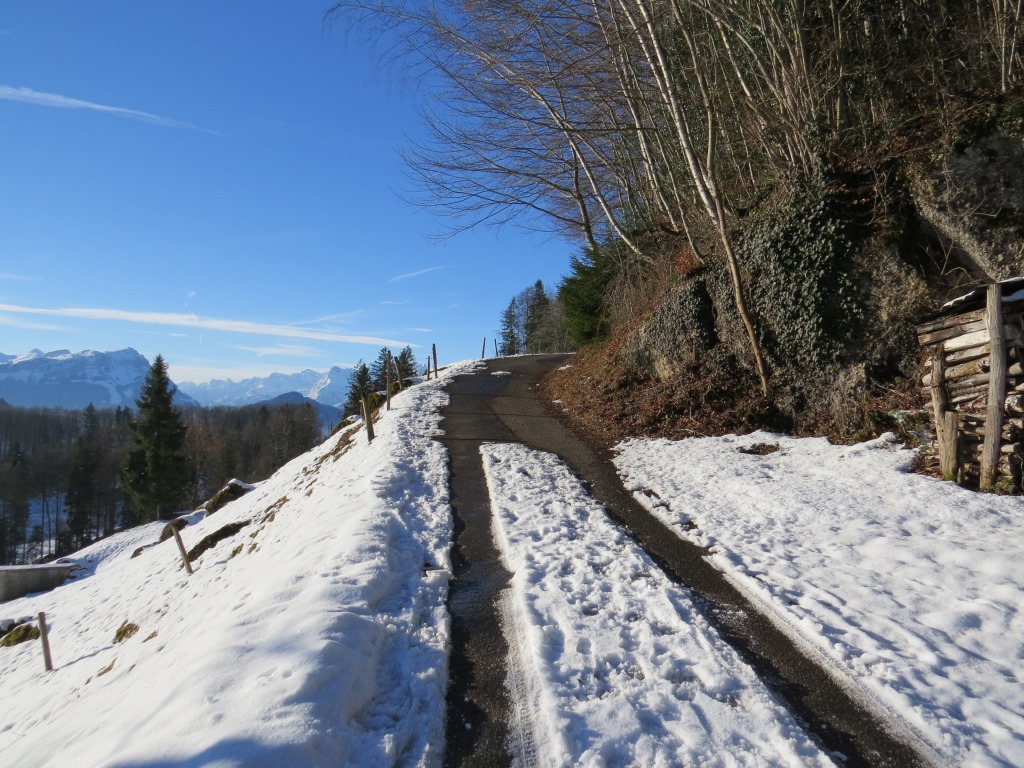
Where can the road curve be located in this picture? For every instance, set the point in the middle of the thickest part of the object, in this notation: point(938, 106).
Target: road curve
point(488, 408)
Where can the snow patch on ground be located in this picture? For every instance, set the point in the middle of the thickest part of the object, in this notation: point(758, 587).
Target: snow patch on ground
point(619, 667)
point(912, 587)
point(314, 636)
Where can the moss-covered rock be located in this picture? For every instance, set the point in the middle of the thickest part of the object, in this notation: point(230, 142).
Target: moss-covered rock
point(20, 634)
point(174, 525)
point(235, 489)
point(211, 540)
point(972, 194)
point(679, 331)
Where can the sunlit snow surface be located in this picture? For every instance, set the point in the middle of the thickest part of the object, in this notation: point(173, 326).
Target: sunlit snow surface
point(911, 586)
point(618, 667)
point(315, 636)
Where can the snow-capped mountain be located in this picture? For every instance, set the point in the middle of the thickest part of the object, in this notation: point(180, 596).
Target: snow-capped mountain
point(63, 379)
point(330, 388)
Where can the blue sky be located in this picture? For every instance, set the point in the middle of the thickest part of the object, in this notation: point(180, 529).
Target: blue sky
point(219, 182)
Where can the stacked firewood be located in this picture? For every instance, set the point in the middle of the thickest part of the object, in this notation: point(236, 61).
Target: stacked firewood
point(973, 351)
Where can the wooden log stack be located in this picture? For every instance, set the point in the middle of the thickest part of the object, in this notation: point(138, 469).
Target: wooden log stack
point(973, 351)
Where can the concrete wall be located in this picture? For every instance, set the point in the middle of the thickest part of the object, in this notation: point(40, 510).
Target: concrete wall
point(18, 580)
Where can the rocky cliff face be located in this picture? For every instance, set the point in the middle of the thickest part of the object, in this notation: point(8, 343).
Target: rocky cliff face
point(974, 200)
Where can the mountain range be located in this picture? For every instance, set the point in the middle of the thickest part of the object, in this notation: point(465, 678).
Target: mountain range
point(330, 388)
point(64, 379)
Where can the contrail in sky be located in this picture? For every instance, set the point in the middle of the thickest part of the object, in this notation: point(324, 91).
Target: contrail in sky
point(28, 96)
point(208, 323)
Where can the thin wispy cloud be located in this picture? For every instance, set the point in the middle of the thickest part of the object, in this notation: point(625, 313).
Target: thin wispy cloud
point(284, 350)
point(204, 323)
point(22, 278)
point(394, 303)
point(39, 98)
point(409, 275)
point(342, 317)
point(420, 330)
point(28, 325)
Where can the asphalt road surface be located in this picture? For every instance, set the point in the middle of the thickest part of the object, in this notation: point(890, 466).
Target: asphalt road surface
point(487, 408)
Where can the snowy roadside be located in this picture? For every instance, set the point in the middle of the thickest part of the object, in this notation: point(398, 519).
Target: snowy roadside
point(316, 635)
point(909, 586)
point(618, 668)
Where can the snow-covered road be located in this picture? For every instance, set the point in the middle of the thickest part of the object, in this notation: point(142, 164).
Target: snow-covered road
point(318, 634)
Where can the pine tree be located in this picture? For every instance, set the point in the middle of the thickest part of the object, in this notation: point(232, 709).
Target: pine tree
point(83, 492)
point(14, 504)
point(536, 315)
point(156, 472)
point(509, 344)
point(379, 370)
point(359, 386)
point(406, 363)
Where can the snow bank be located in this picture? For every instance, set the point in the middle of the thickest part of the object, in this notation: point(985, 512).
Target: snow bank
point(910, 586)
point(613, 665)
point(313, 636)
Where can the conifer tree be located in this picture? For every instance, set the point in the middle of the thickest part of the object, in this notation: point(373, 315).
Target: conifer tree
point(509, 344)
point(379, 370)
point(406, 363)
point(359, 386)
point(156, 473)
point(536, 315)
point(83, 490)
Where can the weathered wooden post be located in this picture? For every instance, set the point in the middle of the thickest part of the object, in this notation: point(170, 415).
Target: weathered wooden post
point(483, 349)
point(947, 427)
point(398, 374)
point(181, 549)
point(368, 420)
point(44, 636)
point(387, 365)
point(434, 347)
point(996, 386)
point(495, 347)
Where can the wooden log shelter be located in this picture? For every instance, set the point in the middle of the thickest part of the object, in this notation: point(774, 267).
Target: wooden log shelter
point(973, 350)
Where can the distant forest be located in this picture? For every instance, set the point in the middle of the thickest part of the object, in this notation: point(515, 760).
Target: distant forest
point(60, 484)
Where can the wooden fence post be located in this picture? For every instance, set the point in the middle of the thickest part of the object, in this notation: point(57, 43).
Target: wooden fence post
point(495, 347)
point(44, 635)
point(434, 347)
point(388, 367)
point(996, 386)
point(398, 374)
point(483, 349)
point(947, 423)
point(181, 548)
point(369, 421)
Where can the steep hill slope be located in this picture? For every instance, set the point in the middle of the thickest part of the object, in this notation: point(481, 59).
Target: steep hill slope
point(249, 660)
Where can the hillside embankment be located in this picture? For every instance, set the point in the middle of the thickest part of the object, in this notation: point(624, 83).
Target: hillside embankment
point(837, 273)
